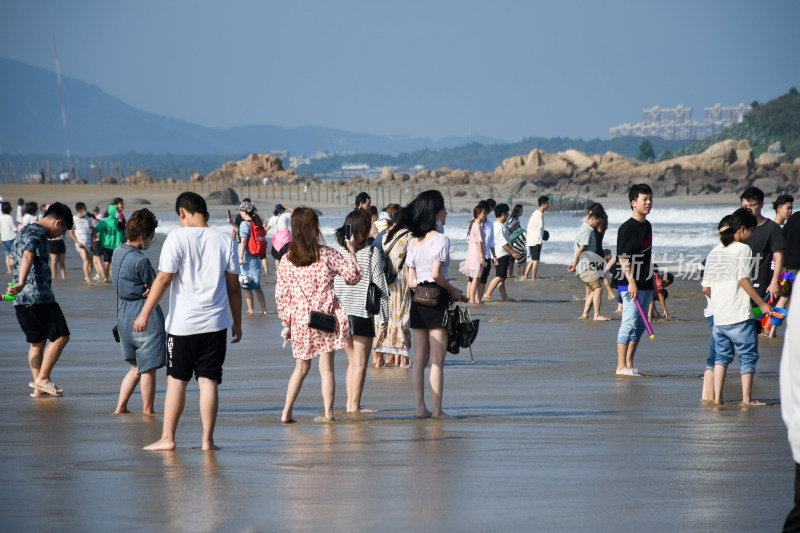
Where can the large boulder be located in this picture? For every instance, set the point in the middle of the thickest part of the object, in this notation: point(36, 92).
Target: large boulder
point(579, 161)
point(768, 185)
point(553, 172)
point(511, 165)
point(738, 171)
point(535, 159)
point(718, 156)
point(224, 196)
point(768, 160)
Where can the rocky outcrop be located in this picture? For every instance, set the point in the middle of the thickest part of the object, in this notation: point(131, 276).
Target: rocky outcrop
point(255, 167)
point(140, 178)
point(728, 166)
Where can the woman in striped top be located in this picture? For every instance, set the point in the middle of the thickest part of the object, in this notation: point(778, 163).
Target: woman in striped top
point(354, 300)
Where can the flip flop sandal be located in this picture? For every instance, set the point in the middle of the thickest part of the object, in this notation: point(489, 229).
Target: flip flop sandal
point(50, 388)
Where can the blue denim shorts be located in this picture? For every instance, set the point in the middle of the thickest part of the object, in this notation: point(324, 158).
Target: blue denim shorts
point(740, 337)
point(712, 353)
point(632, 325)
point(148, 349)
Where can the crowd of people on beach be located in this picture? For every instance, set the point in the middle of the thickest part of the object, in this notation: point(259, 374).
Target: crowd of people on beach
point(386, 286)
point(369, 312)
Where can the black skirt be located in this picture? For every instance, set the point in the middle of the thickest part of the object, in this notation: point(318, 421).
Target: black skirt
point(424, 317)
point(363, 327)
point(57, 247)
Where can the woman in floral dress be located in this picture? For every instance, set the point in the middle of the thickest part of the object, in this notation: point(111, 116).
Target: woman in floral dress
point(396, 341)
point(305, 283)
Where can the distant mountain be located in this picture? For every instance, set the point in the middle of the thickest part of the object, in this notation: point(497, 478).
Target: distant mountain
point(100, 124)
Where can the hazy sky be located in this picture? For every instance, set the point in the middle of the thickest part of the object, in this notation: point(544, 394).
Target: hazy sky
point(508, 69)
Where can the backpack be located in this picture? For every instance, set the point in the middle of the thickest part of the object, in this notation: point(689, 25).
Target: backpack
point(257, 243)
point(389, 272)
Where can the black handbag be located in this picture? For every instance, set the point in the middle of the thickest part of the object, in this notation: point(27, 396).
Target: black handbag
point(322, 321)
point(461, 329)
point(317, 319)
point(373, 292)
point(389, 271)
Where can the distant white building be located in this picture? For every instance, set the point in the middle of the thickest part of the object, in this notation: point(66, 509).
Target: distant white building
point(676, 123)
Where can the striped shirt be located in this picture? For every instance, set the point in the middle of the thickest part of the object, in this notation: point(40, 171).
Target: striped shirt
point(354, 297)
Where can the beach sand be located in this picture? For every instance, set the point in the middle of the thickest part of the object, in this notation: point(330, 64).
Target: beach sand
point(163, 194)
point(547, 437)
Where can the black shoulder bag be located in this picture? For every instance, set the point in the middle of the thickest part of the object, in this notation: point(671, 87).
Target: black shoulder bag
point(373, 292)
point(389, 272)
point(317, 319)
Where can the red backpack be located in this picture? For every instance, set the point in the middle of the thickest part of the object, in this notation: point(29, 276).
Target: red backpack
point(257, 243)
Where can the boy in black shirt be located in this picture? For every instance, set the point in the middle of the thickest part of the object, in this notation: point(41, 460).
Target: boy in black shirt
point(634, 253)
point(767, 245)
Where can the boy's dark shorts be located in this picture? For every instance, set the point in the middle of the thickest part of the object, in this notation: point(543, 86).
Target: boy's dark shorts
point(200, 355)
point(42, 321)
point(107, 253)
point(278, 254)
point(501, 269)
point(535, 252)
point(485, 272)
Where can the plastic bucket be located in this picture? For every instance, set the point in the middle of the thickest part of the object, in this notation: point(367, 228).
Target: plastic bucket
point(777, 321)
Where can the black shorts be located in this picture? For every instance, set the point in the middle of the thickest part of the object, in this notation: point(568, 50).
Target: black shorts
point(535, 252)
point(278, 254)
point(107, 253)
point(42, 321)
point(363, 327)
point(97, 248)
point(200, 355)
point(501, 270)
point(57, 247)
point(485, 272)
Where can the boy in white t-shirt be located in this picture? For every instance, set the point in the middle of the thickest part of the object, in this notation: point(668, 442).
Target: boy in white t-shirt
point(503, 253)
point(726, 281)
point(199, 266)
point(81, 233)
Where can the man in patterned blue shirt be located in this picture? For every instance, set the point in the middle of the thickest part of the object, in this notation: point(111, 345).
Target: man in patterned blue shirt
point(38, 314)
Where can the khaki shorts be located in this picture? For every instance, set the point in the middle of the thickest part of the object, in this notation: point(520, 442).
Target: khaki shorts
point(591, 278)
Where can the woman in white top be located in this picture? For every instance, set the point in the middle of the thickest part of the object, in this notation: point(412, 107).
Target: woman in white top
point(29, 215)
point(8, 232)
point(428, 258)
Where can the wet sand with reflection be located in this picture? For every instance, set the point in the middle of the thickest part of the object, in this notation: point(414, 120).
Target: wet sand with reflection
point(546, 438)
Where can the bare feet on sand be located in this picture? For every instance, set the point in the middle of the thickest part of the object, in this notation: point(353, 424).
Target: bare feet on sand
point(601, 318)
point(122, 411)
point(442, 416)
point(422, 414)
point(752, 403)
point(209, 446)
point(161, 446)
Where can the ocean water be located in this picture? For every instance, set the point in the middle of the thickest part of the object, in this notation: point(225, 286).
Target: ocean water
point(682, 237)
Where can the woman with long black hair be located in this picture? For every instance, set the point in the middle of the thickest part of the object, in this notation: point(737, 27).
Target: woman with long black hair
point(428, 259)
